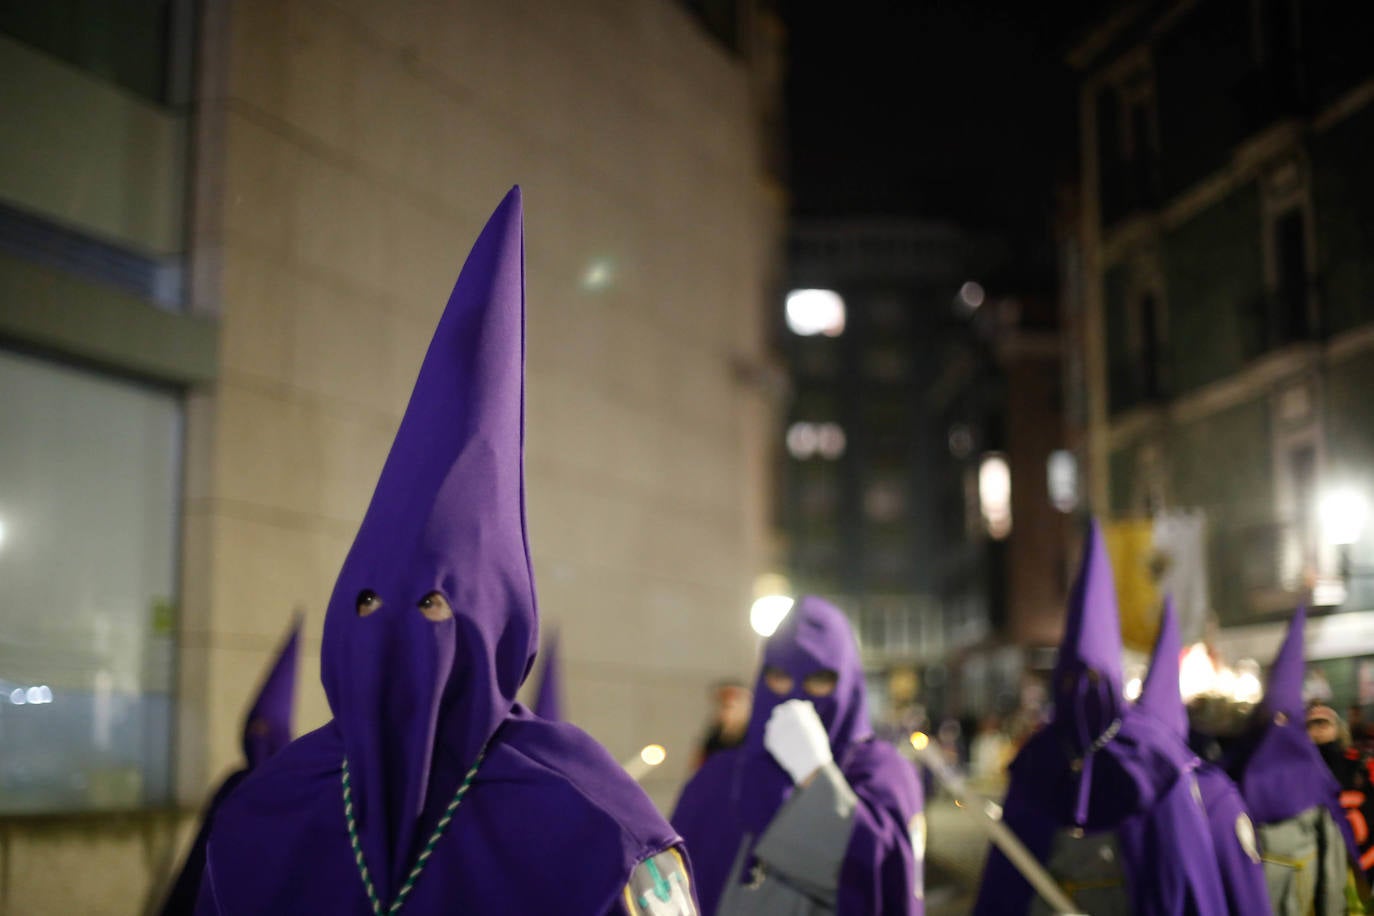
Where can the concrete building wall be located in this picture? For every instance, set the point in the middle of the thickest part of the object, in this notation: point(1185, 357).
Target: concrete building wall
point(364, 147)
point(347, 154)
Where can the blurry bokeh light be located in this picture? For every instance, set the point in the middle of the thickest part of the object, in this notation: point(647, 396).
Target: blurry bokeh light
point(994, 495)
point(971, 294)
point(1062, 477)
point(768, 613)
point(1343, 513)
point(815, 311)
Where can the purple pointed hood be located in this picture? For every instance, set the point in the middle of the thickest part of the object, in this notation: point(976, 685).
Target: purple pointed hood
point(1087, 673)
point(1283, 688)
point(1279, 770)
point(1159, 695)
point(814, 636)
point(548, 702)
point(267, 727)
point(447, 516)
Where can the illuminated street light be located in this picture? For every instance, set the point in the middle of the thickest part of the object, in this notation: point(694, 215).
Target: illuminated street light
point(815, 311)
point(768, 612)
point(1343, 513)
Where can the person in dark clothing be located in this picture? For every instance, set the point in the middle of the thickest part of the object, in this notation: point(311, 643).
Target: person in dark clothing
point(1354, 770)
point(729, 721)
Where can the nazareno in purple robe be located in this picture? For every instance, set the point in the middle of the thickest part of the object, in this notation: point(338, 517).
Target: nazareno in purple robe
point(737, 792)
point(551, 823)
point(1233, 834)
point(266, 730)
point(1278, 769)
point(1101, 766)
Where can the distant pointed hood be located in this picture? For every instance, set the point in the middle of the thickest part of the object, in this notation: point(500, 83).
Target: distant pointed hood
point(447, 516)
point(1087, 673)
point(1278, 769)
point(548, 703)
point(1159, 695)
point(267, 727)
point(1283, 689)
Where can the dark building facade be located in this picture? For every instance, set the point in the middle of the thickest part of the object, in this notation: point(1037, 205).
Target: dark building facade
point(934, 394)
point(1222, 326)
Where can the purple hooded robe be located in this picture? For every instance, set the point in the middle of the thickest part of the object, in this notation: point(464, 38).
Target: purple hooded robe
point(734, 796)
point(550, 822)
point(1279, 771)
point(266, 730)
point(1102, 771)
point(1233, 834)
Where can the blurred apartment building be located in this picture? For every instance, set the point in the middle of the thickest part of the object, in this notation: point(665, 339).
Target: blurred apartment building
point(923, 413)
point(226, 232)
point(1220, 253)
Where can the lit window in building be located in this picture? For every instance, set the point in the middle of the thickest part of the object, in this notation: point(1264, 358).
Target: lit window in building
point(89, 471)
point(1062, 473)
point(971, 294)
point(994, 495)
point(815, 440)
point(830, 441)
point(801, 440)
point(815, 311)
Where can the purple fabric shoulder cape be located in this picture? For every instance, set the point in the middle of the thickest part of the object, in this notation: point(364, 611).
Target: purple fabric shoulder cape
point(1233, 835)
point(549, 823)
point(266, 730)
point(1279, 770)
point(737, 792)
point(1098, 765)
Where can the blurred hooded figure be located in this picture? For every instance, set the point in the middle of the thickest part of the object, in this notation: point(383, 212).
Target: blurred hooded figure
point(1234, 840)
point(1104, 796)
point(1352, 769)
point(811, 814)
point(266, 730)
point(431, 790)
point(729, 720)
point(1290, 793)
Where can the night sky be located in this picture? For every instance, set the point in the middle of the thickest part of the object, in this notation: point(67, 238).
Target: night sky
point(959, 110)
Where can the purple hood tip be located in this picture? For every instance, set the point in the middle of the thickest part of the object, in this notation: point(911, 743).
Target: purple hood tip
point(1283, 691)
point(267, 727)
point(1159, 695)
point(1091, 648)
point(447, 517)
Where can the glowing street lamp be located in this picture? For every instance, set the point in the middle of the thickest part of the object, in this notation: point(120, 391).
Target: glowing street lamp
point(768, 612)
point(815, 311)
point(1343, 513)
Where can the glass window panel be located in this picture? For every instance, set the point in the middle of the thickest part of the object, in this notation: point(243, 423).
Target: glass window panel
point(89, 483)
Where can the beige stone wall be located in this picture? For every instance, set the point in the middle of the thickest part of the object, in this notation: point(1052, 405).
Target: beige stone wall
point(364, 145)
point(348, 153)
